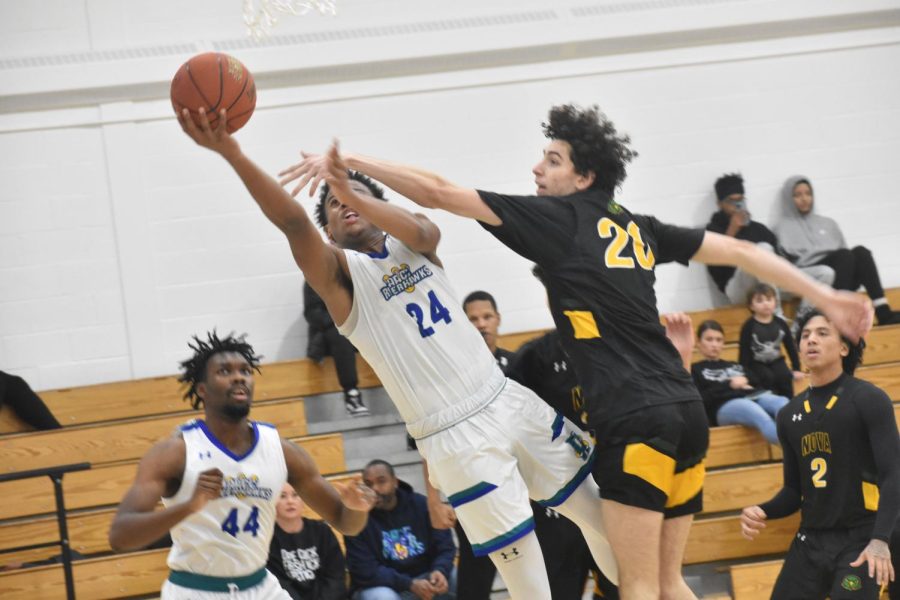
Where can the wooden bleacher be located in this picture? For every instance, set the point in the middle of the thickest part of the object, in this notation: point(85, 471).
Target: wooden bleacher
point(163, 395)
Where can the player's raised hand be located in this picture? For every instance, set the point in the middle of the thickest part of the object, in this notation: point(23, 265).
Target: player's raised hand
point(850, 312)
point(753, 520)
point(356, 495)
point(878, 555)
point(680, 331)
point(215, 138)
point(309, 171)
point(209, 487)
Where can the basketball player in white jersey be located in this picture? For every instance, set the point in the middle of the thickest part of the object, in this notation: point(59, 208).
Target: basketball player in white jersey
point(489, 442)
point(219, 479)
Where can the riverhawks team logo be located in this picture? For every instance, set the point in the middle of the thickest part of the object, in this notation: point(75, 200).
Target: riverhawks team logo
point(614, 208)
point(851, 583)
point(403, 279)
point(245, 486)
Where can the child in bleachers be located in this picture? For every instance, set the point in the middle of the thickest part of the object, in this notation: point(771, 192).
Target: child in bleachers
point(762, 338)
point(727, 392)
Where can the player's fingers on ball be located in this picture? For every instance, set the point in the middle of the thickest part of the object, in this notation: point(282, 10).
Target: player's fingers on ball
point(223, 121)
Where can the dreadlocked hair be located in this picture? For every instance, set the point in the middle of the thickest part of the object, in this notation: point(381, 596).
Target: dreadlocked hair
point(193, 370)
point(322, 215)
point(596, 145)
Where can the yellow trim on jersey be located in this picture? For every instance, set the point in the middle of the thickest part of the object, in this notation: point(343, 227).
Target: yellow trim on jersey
point(583, 323)
point(870, 495)
point(806, 406)
point(831, 403)
point(686, 485)
point(649, 464)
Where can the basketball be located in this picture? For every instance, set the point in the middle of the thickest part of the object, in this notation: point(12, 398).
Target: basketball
point(215, 81)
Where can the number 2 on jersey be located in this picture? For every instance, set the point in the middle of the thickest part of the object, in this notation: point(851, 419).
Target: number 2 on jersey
point(230, 524)
point(819, 468)
point(613, 258)
point(438, 312)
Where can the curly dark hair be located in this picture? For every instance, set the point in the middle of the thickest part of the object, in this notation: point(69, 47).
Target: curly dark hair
point(322, 216)
point(855, 355)
point(596, 145)
point(193, 370)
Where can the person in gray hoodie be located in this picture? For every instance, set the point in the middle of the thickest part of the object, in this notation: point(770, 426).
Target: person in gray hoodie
point(812, 239)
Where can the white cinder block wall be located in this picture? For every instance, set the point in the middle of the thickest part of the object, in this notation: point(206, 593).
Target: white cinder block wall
point(119, 238)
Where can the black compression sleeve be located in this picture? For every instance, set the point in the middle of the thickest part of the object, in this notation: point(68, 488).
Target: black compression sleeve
point(787, 500)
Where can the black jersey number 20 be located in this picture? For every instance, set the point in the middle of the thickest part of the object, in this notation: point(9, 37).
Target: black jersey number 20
point(607, 228)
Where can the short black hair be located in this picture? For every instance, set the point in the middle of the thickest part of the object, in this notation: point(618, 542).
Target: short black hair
point(728, 184)
point(480, 295)
point(596, 145)
point(761, 289)
point(193, 370)
point(322, 216)
point(709, 324)
point(855, 355)
point(383, 463)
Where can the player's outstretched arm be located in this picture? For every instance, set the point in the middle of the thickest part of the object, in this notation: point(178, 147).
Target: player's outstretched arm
point(414, 230)
point(137, 523)
point(345, 506)
point(422, 187)
point(851, 313)
point(318, 261)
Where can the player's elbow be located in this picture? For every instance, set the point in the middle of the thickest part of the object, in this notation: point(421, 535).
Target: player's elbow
point(119, 540)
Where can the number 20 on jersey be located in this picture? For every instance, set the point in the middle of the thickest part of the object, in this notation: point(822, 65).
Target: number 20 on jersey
point(614, 259)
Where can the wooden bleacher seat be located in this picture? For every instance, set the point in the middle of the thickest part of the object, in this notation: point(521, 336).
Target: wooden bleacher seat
point(719, 538)
point(754, 581)
point(123, 441)
point(163, 395)
point(106, 484)
point(116, 576)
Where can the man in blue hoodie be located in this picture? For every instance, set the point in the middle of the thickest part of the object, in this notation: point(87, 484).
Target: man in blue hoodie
point(399, 555)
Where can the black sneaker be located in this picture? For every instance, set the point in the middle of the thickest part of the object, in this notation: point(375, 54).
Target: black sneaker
point(354, 404)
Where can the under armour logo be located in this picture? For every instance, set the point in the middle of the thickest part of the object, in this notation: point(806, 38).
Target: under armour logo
point(233, 587)
point(203, 455)
point(797, 417)
point(508, 556)
point(552, 514)
point(801, 536)
point(560, 366)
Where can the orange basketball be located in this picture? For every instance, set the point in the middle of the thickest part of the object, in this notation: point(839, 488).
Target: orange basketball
point(215, 81)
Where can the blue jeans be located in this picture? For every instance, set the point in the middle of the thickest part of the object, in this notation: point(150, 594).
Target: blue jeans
point(386, 593)
point(758, 413)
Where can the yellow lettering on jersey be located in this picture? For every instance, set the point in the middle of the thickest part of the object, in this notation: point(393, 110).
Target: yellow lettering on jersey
point(870, 495)
point(614, 258)
point(642, 253)
point(583, 324)
point(817, 441)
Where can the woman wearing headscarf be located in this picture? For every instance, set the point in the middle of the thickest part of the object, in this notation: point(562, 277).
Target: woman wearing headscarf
point(812, 239)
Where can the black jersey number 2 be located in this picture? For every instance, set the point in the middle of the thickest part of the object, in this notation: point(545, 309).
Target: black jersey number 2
point(607, 228)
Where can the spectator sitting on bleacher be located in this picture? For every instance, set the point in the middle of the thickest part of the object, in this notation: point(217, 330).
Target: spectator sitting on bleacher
point(762, 337)
point(727, 392)
point(399, 555)
point(733, 219)
point(305, 555)
point(810, 239)
point(28, 406)
point(324, 340)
